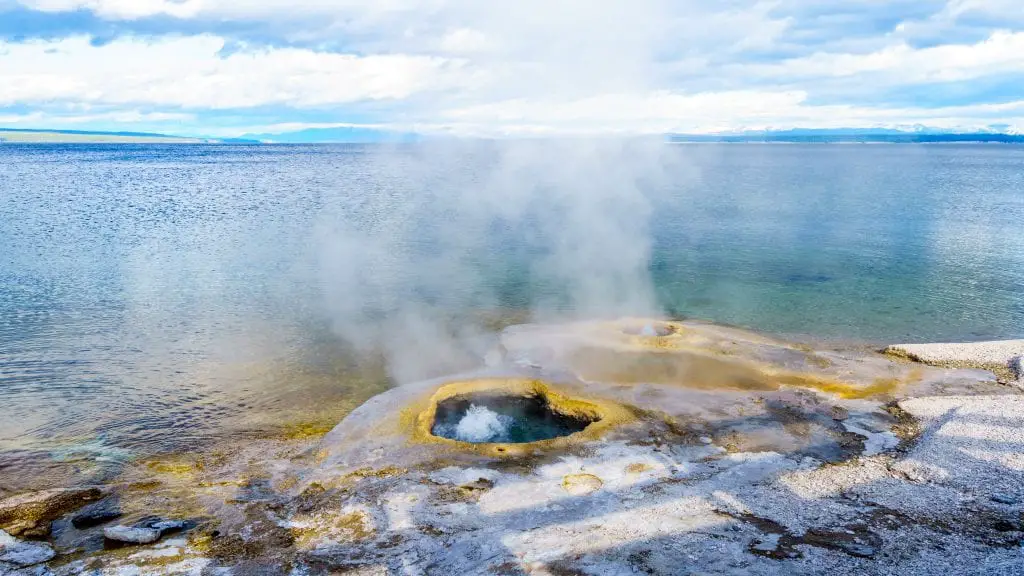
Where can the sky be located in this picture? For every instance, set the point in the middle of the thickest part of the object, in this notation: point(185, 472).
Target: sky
point(515, 68)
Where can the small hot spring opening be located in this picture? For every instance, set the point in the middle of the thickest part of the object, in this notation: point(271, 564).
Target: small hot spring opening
point(503, 419)
point(650, 329)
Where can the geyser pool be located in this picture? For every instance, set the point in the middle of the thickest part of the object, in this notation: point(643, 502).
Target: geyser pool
point(650, 330)
point(503, 419)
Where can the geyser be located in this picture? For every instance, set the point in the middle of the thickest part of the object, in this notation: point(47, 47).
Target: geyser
point(493, 418)
point(505, 417)
point(650, 330)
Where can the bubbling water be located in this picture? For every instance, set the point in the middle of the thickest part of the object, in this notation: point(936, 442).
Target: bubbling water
point(482, 425)
point(650, 330)
point(502, 419)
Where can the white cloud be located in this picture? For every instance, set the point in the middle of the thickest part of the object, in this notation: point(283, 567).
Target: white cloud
point(464, 40)
point(1003, 9)
point(710, 112)
point(1002, 51)
point(119, 117)
point(532, 66)
point(127, 9)
point(525, 48)
point(652, 112)
point(370, 10)
point(188, 72)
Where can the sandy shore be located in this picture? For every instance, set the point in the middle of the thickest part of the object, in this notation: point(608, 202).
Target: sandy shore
point(719, 451)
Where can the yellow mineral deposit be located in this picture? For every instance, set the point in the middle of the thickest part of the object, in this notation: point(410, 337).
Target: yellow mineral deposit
point(702, 357)
point(581, 484)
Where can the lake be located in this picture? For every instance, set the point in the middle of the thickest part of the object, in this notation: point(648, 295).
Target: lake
point(156, 297)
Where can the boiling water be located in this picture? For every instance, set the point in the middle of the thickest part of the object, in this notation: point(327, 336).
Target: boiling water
point(503, 419)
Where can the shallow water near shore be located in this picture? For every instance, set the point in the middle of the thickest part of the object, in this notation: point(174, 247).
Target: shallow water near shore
point(158, 298)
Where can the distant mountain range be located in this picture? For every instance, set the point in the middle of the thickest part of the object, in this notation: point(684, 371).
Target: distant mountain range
point(354, 135)
point(853, 135)
point(340, 134)
point(44, 136)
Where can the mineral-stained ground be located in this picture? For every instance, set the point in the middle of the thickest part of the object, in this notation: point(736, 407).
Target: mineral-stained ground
point(710, 450)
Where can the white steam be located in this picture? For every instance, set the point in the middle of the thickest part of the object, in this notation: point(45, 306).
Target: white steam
point(417, 238)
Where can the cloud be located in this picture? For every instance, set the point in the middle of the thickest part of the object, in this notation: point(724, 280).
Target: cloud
point(191, 72)
point(1002, 51)
point(650, 113)
point(464, 40)
point(710, 112)
point(120, 8)
point(1002, 12)
point(131, 117)
point(532, 66)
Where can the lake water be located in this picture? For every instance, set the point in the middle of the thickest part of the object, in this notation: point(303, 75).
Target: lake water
point(154, 297)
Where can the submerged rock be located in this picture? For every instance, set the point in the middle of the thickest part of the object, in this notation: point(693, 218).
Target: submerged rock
point(145, 532)
point(30, 514)
point(19, 554)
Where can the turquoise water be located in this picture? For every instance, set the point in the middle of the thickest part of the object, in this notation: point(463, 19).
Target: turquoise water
point(515, 420)
point(880, 243)
point(151, 296)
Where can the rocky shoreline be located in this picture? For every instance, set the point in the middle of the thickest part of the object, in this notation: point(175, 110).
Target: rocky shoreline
point(704, 449)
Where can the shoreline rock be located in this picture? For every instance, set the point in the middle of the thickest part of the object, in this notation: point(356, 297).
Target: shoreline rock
point(20, 554)
point(31, 513)
point(96, 513)
point(145, 532)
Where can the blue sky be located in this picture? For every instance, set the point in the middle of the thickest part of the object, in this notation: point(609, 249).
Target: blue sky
point(229, 67)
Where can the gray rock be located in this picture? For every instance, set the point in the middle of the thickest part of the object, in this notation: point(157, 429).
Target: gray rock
point(132, 534)
point(1017, 367)
point(37, 570)
point(1004, 499)
point(145, 532)
point(31, 513)
point(21, 554)
point(96, 514)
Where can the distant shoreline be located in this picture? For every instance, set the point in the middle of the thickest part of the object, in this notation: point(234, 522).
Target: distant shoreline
point(867, 139)
point(85, 141)
point(797, 136)
point(25, 136)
